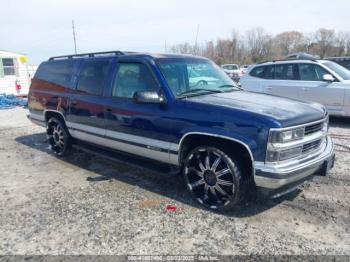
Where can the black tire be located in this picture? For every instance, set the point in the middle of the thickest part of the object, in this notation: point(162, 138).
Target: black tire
point(215, 183)
point(59, 138)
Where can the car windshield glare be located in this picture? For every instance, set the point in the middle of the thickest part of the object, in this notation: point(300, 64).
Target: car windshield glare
point(194, 74)
point(338, 69)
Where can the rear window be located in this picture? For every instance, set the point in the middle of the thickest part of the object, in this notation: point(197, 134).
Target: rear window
point(58, 72)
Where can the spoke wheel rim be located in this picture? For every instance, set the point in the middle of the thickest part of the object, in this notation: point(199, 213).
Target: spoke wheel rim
point(209, 178)
point(56, 137)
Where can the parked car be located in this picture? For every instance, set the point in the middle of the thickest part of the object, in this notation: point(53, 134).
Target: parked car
point(244, 69)
point(233, 71)
point(226, 142)
point(343, 61)
point(321, 81)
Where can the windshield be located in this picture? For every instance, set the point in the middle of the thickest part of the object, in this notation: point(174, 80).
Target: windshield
point(194, 76)
point(341, 71)
point(230, 67)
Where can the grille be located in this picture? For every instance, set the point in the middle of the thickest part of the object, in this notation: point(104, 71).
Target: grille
point(313, 128)
point(311, 146)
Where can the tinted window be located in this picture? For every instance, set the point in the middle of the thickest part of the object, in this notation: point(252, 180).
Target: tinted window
point(258, 71)
point(286, 72)
point(133, 77)
point(93, 76)
point(311, 72)
point(58, 72)
point(269, 72)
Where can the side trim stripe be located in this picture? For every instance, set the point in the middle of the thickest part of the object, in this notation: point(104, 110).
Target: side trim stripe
point(152, 144)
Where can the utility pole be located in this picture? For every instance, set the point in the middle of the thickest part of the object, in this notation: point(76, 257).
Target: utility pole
point(195, 42)
point(74, 38)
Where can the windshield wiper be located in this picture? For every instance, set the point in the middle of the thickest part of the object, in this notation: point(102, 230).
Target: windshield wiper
point(228, 85)
point(200, 89)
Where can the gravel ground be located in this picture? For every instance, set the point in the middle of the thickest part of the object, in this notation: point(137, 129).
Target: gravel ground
point(85, 204)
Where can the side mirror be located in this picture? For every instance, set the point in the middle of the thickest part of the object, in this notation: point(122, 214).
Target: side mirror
point(148, 97)
point(328, 78)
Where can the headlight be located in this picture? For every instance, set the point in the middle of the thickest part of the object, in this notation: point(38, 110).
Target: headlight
point(326, 125)
point(275, 156)
point(286, 136)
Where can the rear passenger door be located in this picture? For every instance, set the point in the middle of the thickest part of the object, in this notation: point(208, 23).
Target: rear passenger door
point(87, 103)
point(140, 129)
point(282, 80)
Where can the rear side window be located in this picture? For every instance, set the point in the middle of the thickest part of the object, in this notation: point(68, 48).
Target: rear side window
point(93, 76)
point(286, 72)
point(258, 71)
point(131, 78)
point(58, 72)
point(311, 72)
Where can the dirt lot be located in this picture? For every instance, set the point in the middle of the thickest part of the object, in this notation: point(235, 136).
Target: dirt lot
point(88, 205)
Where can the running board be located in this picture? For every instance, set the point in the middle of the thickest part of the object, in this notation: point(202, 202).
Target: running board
point(158, 168)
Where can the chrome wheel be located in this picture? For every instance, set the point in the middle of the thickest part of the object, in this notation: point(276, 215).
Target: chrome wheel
point(209, 176)
point(58, 137)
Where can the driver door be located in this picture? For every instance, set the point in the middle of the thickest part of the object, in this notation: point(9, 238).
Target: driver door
point(137, 128)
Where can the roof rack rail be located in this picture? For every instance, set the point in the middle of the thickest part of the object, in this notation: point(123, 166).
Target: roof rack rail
point(86, 54)
point(286, 59)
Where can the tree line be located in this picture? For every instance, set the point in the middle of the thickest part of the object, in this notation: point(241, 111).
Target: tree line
point(258, 45)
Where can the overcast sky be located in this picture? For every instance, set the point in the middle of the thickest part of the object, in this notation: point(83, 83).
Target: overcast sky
point(42, 28)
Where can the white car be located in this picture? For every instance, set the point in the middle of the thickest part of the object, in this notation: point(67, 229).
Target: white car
point(319, 81)
point(244, 69)
point(232, 70)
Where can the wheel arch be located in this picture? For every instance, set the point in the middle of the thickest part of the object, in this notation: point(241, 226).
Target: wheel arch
point(192, 139)
point(48, 113)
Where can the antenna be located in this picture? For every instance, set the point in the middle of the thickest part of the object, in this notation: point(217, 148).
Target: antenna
point(74, 38)
point(165, 46)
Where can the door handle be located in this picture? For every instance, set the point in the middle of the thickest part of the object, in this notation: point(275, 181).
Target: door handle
point(108, 109)
point(74, 102)
point(269, 87)
point(305, 88)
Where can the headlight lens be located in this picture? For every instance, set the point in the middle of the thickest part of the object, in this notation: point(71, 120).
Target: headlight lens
point(286, 136)
point(275, 156)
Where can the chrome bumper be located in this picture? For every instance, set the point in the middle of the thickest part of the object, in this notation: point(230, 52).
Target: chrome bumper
point(278, 176)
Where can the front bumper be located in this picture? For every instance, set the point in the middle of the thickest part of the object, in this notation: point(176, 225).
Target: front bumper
point(286, 177)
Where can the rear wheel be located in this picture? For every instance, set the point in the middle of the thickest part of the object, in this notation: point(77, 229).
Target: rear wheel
point(59, 138)
point(213, 178)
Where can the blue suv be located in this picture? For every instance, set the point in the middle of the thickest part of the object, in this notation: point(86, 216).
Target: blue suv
point(186, 113)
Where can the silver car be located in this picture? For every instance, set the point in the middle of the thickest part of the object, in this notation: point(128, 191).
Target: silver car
point(321, 81)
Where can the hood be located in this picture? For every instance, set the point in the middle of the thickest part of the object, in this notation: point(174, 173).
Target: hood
point(286, 111)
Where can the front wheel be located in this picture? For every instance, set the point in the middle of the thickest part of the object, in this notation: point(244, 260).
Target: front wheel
point(59, 138)
point(213, 178)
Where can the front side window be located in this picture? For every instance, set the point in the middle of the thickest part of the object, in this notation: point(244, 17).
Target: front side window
point(193, 76)
point(131, 78)
point(9, 66)
point(258, 71)
point(311, 72)
point(93, 76)
point(286, 72)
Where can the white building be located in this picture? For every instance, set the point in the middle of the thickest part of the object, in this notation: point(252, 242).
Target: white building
point(14, 76)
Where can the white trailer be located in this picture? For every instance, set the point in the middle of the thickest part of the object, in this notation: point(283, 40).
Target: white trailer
point(14, 76)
